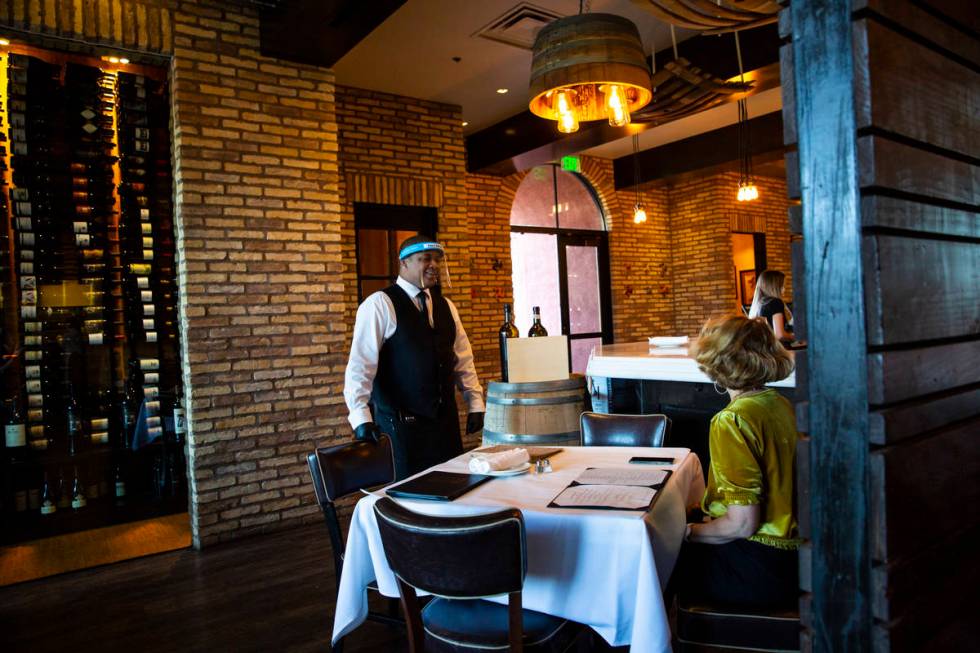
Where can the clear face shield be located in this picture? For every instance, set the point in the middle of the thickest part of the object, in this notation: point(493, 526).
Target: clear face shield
point(426, 267)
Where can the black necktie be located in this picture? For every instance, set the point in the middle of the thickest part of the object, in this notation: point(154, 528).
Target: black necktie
point(425, 310)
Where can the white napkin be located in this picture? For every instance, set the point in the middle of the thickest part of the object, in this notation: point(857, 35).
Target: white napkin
point(668, 341)
point(481, 463)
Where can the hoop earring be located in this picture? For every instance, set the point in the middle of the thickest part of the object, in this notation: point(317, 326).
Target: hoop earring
point(719, 389)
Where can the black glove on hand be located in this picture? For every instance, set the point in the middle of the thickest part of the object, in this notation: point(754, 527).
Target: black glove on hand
point(474, 423)
point(367, 432)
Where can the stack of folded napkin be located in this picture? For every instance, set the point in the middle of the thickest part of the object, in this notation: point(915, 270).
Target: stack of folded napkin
point(481, 463)
point(669, 341)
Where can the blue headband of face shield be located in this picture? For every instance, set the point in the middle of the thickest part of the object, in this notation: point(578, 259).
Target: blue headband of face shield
point(414, 248)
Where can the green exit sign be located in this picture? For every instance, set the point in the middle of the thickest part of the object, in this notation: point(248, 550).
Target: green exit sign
point(571, 163)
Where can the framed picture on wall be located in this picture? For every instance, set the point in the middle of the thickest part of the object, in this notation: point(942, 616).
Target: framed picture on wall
point(746, 280)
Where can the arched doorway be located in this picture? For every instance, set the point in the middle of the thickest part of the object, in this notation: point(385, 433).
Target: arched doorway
point(560, 260)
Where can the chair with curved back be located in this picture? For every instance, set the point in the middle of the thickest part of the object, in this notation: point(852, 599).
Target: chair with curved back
point(460, 560)
point(339, 471)
point(605, 430)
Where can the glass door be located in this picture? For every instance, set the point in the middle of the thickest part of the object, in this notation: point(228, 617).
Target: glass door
point(567, 275)
point(583, 262)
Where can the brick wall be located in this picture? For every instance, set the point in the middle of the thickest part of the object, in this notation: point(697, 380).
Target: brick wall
point(639, 254)
point(258, 241)
point(703, 214)
point(668, 274)
point(701, 249)
point(487, 199)
point(256, 178)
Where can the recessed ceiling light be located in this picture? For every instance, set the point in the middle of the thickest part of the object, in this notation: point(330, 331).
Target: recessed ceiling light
point(465, 123)
point(502, 90)
point(4, 42)
point(123, 60)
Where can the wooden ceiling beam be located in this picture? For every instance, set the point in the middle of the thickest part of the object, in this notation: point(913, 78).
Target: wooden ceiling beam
point(714, 150)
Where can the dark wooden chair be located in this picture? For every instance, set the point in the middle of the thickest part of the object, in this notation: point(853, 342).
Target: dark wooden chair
point(460, 560)
point(604, 430)
point(705, 628)
point(339, 471)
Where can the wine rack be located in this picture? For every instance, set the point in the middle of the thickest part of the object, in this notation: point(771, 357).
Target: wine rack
point(91, 403)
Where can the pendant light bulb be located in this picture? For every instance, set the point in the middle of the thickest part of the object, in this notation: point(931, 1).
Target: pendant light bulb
point(747, 191)
point(567, 120)
point(617, 108)
point(639, 215)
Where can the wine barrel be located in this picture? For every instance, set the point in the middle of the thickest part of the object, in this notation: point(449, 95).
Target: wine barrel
point(540, 413)
point(585, 53)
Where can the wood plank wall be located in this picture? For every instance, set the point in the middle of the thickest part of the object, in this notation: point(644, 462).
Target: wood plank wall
point(916, 138)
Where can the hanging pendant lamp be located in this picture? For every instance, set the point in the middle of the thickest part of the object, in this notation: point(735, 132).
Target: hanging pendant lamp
point(747, 190)
point(639, 213)
point(588, 67)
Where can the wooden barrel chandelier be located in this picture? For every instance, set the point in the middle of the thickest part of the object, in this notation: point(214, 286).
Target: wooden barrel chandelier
point(588, 67)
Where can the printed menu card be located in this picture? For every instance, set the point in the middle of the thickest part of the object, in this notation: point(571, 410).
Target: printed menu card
point(613, 489)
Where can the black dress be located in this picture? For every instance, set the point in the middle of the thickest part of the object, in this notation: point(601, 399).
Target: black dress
point(771, 307)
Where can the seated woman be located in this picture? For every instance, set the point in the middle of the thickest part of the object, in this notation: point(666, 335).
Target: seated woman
point(746, 553)
point(768, 302)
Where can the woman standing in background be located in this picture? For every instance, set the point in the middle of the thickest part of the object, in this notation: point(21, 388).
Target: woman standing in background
point(768, 302)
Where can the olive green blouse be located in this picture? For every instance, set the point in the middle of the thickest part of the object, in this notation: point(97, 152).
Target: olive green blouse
point(753, 452)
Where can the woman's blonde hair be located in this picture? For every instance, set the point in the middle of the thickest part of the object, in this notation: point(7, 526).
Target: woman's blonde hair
point(741, 353)
point(769, 285)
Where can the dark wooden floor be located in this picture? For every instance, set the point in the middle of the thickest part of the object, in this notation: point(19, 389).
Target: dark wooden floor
point(267, 593)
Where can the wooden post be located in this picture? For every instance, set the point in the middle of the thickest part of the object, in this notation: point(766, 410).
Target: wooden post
point(837, 358)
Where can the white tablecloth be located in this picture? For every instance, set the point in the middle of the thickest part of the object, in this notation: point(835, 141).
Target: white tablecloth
point(602, 568)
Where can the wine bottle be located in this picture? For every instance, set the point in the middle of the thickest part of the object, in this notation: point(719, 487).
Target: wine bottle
point(78, 500)
point(507, 330)
point(92, 488)
point(15, 429)
point(180, 419)
point(33, 495)
point(129, 406)
point(64, 492)
point(48, 503)
point(172, 481)
point(537, 329)
point(73, 423)
point(20, 494)
point(119, 491)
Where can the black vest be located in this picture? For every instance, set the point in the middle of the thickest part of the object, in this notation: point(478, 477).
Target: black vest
point(416, 365)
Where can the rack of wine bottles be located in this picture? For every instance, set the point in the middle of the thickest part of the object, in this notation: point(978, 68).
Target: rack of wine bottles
point(90, 375)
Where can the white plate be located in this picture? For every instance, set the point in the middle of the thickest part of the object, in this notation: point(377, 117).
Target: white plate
point(510, 472)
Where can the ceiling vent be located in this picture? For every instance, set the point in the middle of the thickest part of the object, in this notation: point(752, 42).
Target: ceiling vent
point(518, 26)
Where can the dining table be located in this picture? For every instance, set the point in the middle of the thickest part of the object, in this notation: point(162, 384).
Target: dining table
point(604, 568)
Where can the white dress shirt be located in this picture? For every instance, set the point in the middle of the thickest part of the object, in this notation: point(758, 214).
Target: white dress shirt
point(374, 325)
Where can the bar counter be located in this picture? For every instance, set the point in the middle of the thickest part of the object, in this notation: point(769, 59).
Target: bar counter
point(635, 378)
point(639, 360)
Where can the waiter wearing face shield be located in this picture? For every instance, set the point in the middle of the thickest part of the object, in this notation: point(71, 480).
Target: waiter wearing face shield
point(408, 354)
